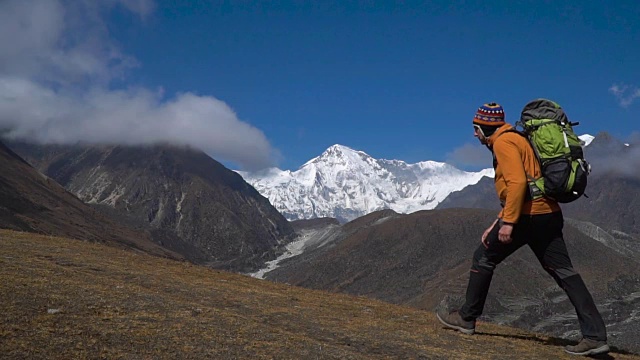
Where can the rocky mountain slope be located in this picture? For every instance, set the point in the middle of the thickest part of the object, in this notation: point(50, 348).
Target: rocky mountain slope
point(191, 203)
point(30, 201)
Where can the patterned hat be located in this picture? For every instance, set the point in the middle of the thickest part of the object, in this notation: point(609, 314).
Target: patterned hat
point(491, 114)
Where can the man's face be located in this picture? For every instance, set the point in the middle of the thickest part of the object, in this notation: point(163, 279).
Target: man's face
point(477, 132)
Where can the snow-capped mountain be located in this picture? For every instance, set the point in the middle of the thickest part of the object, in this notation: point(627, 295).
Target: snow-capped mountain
point(586, 139)
point(345, 184)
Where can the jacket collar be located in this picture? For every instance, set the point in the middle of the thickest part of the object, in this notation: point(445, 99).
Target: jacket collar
point(502, 129)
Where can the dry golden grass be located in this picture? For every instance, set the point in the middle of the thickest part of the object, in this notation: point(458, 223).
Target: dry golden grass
point(67, 299)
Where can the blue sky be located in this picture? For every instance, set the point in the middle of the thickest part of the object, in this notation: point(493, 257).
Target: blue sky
point(289, 79)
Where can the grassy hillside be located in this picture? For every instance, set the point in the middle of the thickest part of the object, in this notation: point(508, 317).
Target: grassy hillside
point(68, 299)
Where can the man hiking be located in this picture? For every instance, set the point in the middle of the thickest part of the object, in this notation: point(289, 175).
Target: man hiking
point(522, 221)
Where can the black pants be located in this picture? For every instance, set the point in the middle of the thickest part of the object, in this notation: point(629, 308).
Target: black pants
point(543, 234)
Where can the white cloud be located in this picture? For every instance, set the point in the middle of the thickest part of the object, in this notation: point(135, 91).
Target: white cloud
point(626, 163)
point(625, 94)
point(56, 64)
point(470, 155)
point(609, 156)
point(634, 138)
point(140, 7)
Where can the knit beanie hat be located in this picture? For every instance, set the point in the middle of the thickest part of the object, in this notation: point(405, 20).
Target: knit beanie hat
point(490, 117)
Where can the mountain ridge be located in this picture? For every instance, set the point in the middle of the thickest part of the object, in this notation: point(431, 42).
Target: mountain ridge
point(31, 201)
point(344, 183)
point(188, 201)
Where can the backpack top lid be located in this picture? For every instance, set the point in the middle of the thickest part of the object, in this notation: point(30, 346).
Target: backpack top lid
point(543, 109)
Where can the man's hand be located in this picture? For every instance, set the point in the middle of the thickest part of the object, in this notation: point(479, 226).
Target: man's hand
point(486, 233)
point(504, 235)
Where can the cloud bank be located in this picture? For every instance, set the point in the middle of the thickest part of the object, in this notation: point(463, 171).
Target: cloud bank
point(617, 157)
point(470, 156)
point(57, 65)
point(625, 94)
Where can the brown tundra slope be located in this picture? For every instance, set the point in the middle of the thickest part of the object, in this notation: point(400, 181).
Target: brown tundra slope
point(66, 299)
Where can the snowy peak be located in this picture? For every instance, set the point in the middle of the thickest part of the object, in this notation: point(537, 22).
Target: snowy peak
point(339, 155)
point(340, 152)
point(586, 139)
point(345, 184)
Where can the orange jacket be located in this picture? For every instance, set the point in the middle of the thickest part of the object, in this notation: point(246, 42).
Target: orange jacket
point(516, 159)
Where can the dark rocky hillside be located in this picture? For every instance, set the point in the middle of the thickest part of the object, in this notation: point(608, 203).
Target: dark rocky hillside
point(191, 203)
point(478, 196)
point(421, 258)
point(29, 201)
point(312, 224)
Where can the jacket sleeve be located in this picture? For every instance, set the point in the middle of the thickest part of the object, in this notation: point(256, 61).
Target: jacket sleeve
point(510, 162)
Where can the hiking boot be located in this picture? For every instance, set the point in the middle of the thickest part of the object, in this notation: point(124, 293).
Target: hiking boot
point(588, 347)
point(453, 320)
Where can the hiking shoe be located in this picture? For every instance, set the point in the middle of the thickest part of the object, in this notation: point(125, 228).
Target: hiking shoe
point(453, 320)
point(588, 347)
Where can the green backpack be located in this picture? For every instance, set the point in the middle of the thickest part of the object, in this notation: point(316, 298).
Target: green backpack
point(558, 149)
